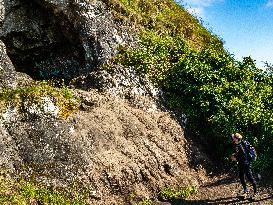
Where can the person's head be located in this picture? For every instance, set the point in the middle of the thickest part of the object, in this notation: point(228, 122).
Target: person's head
point(236, 138)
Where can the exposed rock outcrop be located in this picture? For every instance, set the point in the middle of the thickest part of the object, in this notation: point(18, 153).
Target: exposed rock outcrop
point(109, 146)
point(9, 78)
point(2, 11)
point(120, 141)
point(125, 83)
point(7, 71)
point(60, 39)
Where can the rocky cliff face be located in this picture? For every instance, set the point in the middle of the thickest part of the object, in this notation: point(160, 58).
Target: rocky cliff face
point(121, 140)
point(7, 71)
point(110, 146)
point(60, 39)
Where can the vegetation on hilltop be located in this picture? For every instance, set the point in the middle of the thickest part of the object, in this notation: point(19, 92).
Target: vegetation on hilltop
point(218, 94)
point(165, 17)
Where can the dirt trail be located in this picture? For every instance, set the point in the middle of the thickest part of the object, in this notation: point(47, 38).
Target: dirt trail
point(224, 190)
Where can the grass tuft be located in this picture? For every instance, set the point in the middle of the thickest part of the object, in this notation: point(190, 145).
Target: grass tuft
point(24, 193)
point(23, 97)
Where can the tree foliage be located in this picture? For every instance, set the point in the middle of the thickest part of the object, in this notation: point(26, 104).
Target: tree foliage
point(218, 94)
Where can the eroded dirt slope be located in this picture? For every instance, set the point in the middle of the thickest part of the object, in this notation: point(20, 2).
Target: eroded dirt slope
point(130, 150)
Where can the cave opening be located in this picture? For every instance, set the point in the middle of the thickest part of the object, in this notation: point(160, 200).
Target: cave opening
point(43, 44)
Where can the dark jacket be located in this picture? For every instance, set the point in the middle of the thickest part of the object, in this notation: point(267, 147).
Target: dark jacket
point(241, 153)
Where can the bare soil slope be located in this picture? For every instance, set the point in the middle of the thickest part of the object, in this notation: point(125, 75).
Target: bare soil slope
point(130, 150)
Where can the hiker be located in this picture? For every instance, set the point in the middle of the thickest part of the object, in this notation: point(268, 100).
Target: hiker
point(244, 163)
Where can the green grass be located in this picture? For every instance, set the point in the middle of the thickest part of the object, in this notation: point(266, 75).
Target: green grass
point(26, 193)
point(21, 97)
point(163, 17)
point(181, 193)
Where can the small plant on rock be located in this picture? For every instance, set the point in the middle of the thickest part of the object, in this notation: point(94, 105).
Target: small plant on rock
point(40, 97)
point(182, 193)
point(19, 192)
point(137, 200)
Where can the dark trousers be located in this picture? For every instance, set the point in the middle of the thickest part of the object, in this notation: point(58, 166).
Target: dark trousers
point(245, 170)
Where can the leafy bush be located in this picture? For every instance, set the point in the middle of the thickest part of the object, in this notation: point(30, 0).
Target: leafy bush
point(182, 193)
point(218, 94)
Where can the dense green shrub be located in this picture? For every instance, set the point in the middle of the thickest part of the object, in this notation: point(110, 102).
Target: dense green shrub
point(218, 94)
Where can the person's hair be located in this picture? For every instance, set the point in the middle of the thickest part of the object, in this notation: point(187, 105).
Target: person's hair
point(237, 136)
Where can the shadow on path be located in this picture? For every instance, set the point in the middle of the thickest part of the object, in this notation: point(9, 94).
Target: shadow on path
point(223, 200)
point(227, 180)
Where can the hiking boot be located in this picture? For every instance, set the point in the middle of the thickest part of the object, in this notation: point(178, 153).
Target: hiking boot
point(245, 193)
point(255, 195)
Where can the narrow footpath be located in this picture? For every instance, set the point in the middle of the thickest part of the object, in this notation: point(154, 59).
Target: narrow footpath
point(225, 190)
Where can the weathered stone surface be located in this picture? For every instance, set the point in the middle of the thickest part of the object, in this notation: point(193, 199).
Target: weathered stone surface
point(8, 155)
point(110, 146)
point(121, 140)
point(2, 11)
point(60, 39)
point(7, 71)
point(45, 146)
point(9, 78)
point(119, 81)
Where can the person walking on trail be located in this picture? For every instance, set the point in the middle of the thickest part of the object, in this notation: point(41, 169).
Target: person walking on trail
point(244, 163)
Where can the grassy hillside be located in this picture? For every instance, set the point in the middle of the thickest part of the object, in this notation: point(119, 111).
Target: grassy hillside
point(164, 17)
point(218, 94)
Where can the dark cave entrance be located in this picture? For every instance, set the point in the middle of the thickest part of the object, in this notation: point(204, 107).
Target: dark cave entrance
point(43, 44)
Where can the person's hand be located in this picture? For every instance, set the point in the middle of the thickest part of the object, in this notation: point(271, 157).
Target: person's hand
point(233, 158)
